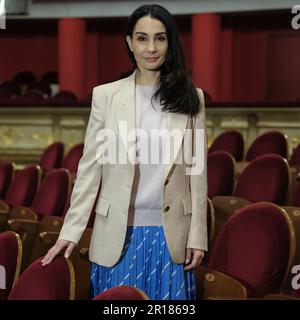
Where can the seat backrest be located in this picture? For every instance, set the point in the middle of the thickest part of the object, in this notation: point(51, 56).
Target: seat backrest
point(294, 214)
point(295, 199)
point(296, 293)
point(10, 261)
point(231, 141)
point(122, 293)
point(72, 158)
point(7, 170)
point(264, 179)
point(24, 186)
point(52, 156)
point(220, 173)
point(53, 193)
point(211, 223)
point(256, 247)
point(211, 230)
point(268, 142)
point(295, 157)
point(55, 281)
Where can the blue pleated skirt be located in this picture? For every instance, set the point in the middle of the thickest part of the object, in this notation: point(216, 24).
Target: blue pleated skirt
point(146, 264)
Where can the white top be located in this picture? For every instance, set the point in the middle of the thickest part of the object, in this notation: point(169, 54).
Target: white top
point(145, 207)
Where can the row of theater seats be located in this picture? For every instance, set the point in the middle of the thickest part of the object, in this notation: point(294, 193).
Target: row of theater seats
point(35, 192)
point(251, 256)
point(265, 179)
point(273, 141)
point(27, 86)
point(221, 209)
point(254, 219)
point(38, 96)
point(23, 81)
point(52, 282)
point(52, 157)
point(39, 221)
point(253, 251)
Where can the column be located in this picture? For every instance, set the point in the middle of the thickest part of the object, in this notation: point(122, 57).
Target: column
point(71, 55)
point(206, 45)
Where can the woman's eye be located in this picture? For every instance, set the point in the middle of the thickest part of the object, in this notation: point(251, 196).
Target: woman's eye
point(161, 38)
point(141, 38)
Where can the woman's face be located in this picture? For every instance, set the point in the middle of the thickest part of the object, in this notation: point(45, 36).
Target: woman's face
point(149, 43)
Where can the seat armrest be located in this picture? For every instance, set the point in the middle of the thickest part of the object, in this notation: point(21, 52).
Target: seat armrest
point(4, 207)
point(18, 224)
point(212, 284)
point(84, 254)
point(224, 207)
point(48, 237)
point(23, 213)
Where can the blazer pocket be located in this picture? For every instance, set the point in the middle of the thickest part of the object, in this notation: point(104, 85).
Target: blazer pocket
point(187, 205)
point(102, 206)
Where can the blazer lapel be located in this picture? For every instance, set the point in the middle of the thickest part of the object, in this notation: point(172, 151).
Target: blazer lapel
point(126, 111)
point(126, 117)
point(176, 127)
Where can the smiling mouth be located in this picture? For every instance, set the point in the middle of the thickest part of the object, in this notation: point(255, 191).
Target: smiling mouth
point(152, 59)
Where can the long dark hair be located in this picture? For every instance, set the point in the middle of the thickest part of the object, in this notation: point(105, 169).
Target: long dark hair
point(176, 90)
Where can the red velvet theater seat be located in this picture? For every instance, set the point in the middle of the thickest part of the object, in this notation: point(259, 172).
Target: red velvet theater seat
point(122, 293)
point(295, 198)
point(264, 179)
point(48, 231)
point(220, 173)
point(50, 200)
point(53, 193)
point(295, 157)
point(211, 229)
point(20, 192)
point(296, 293)
point(82, 266)
point(47, 234)
point(55, 281)
point(267, 143)
point(72, 158)
point(231, 141)
point(294, 214)
point(10, 259)
point(52, 156)
point(23, 187)
point(251, 254)
point(7, 171)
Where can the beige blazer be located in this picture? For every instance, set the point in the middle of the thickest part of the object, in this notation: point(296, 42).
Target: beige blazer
point(184, 196)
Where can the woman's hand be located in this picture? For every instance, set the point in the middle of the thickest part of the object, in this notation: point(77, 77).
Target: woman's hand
point(56, 249)
point(193, 258)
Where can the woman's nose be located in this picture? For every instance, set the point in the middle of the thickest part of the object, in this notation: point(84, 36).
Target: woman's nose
point(152, 46)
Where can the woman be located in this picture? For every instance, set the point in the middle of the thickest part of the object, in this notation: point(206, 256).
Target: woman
point(150, 229)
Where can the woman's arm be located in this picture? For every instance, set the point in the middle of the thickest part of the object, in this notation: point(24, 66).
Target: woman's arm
point(197, 238)
point(86, 185)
